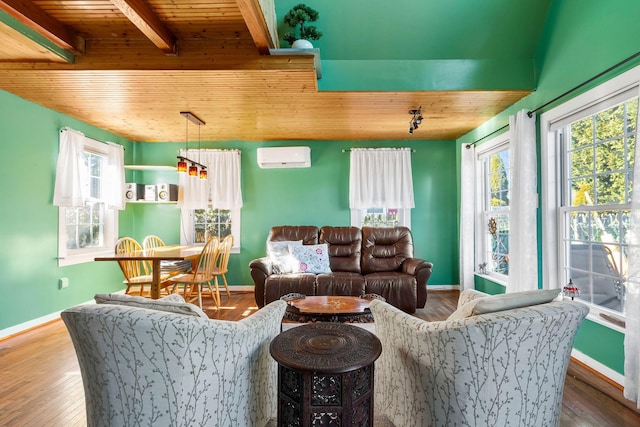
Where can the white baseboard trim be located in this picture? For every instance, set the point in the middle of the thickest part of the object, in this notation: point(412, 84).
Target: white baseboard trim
point(443, 288)
point(22, 327)
point(597, 366)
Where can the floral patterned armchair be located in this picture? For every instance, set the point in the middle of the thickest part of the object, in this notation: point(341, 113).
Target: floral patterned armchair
point(150, 367)
point(501, 368)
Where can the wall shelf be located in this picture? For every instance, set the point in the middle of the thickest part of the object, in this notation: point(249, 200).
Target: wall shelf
point(152, 202)
point(290, 51)
point(150, 168)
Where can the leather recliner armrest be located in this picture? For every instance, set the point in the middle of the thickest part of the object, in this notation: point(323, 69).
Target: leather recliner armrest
point(413, 265)
point(260, 269)
point(421, 269)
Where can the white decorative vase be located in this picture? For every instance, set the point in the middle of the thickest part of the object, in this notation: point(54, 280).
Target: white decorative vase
point(302, 44)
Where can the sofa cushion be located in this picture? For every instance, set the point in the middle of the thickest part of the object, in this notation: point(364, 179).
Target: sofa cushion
point(398, 289)
point(307, 233)
point(385, 249)
point(340, 283)
point(311, 258)
point(501, 302)
point(278, 285)
point(345, 247)
point(173, 303)
point(279, 253)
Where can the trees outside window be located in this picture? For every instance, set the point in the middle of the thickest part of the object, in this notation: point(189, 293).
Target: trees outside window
point(587, 152)
point(597, 156)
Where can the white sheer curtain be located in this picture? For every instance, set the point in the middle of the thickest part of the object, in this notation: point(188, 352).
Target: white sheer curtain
point(71, 181)
point(632, 298)
point(222, 186)
point(467, 217)
point(193, 191)
point(523, 247)
point(380, 178)
point(115, 188)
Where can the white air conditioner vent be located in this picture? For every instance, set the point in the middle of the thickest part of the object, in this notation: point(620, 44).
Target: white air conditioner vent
point(284, 157)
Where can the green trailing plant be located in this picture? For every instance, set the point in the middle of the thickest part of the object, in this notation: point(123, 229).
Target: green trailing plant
point(297, 18)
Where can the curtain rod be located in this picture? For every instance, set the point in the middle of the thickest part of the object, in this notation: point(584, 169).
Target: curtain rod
point(624, 61)
point(486, 136)
point(346, 150)
point(67, 128)
point(532, 112)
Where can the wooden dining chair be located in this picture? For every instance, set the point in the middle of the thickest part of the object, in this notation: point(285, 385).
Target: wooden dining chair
point(222, 266)
point(152, 242)
point(136, 273)
point(167, 267)
point(202, 275)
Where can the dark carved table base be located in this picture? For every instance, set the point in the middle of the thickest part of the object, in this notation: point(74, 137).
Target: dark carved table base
point(325, 375)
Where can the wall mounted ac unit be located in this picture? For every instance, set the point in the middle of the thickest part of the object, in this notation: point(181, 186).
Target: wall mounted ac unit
point(284, 157)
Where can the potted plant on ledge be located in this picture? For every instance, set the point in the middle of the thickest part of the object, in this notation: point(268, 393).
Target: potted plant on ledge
point(297, 18)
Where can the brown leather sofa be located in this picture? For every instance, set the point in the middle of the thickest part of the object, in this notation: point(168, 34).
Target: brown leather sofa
point(363, 261)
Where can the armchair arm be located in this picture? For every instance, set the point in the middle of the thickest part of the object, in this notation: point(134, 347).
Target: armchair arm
point(260, 269)
point(421, 269)
point(469, 295)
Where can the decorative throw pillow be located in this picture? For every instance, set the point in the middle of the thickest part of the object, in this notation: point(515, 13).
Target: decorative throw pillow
point(173, 303)
point(311, 258)
point(493, 303)
point(281, 260)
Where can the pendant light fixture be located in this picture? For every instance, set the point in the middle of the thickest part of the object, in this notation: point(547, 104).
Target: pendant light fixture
point(203, 169)
point(416, 120)
point(183, 161)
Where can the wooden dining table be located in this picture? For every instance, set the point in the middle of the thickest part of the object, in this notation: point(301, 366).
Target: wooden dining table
point(156, 255)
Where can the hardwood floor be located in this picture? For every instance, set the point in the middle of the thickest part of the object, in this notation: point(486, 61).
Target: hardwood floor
point(42, 386)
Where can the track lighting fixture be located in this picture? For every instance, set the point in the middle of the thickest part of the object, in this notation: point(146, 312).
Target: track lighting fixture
point(416, 120)
point(182, 161)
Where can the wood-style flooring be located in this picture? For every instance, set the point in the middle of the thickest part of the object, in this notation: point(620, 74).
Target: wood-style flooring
point(40, 382)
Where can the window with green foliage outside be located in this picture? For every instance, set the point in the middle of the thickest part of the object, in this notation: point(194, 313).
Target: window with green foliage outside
point(211, 223)
point(597, 157)
point(494, 217)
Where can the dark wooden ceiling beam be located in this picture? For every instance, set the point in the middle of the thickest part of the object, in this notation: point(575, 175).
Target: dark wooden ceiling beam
point(145, 19)
point(34, 18)
point(257, 25)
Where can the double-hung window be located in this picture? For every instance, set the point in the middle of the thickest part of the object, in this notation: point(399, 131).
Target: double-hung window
point(590, 144)
point(88, 231)
point(492, 213)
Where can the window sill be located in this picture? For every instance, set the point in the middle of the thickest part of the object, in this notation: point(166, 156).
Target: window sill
point(81, 258)
point(492, 278)
point(595, 316)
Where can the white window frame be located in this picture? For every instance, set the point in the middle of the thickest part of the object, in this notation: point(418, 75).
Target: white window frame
point(77, 256)
point(187, 236)
point(358, 215)
point(492, 146)
point(552, 251)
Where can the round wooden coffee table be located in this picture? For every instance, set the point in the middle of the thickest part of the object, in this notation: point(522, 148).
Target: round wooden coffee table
point(329, 308)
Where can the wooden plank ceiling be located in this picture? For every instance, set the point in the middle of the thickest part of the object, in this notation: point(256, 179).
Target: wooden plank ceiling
point(138, 63)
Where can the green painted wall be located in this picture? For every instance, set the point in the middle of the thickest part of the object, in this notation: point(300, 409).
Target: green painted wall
point(318, 196)
point(581, 39)
point(378, 48)
point(29, 224)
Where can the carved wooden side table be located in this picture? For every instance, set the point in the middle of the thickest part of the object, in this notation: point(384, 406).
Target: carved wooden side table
point(325, 375)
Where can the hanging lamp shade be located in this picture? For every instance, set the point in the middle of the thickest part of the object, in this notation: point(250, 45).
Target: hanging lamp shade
point(203, 173)
point(193, 170)
point(182, 165)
